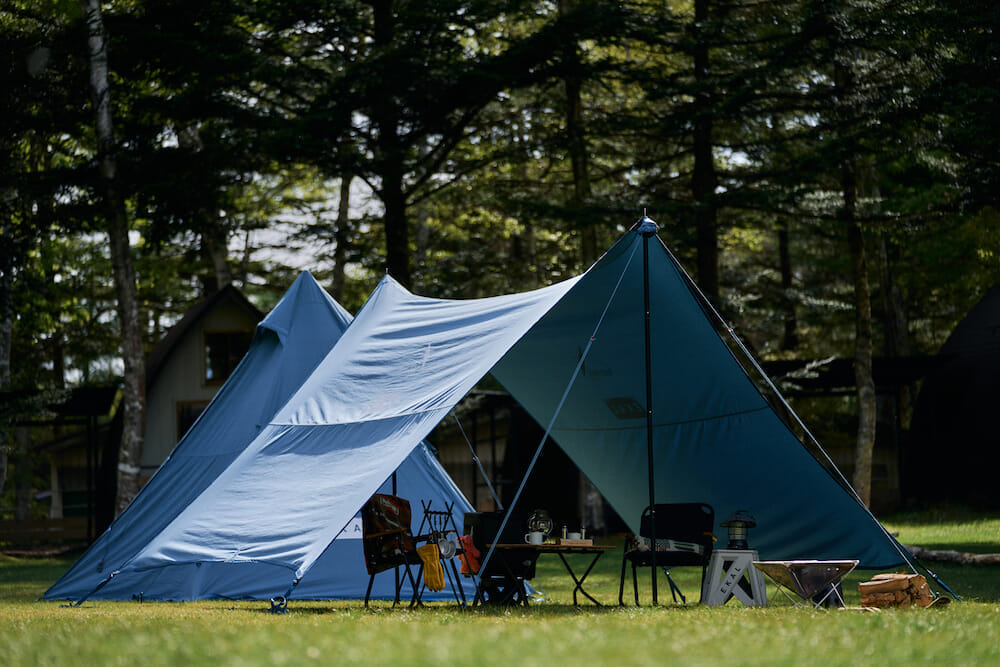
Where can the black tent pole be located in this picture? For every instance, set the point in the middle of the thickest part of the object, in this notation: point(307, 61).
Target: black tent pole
point(647, 227)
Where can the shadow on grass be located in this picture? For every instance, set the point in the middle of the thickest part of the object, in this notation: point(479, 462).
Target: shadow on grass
point(964, 547)
point(29, 571)
point(547, 609)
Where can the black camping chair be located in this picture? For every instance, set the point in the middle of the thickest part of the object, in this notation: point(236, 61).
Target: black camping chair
point(388, 542)
point(501, 582)
point(683, 537)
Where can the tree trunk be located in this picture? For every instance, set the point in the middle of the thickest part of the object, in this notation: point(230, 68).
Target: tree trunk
point(531, 253)
point(790, 338)
point(590, 500)
point(863, 378)
point(524, 248)
point(6, 327)
point(215, 245)
point(341, 237)
point(867, 406)
point(897, 338)
point(58, 361)
point(581, 169)
point(703, 178)
point(422, 242)
point(214, 235)
point(576, 141)
point(6, 304)
point(390, 161)
point(23, 473)
point(56, 504)
point(863, 336)
point(397, 233)
point(133, 403)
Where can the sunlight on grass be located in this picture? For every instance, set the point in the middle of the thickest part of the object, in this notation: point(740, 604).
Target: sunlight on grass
point(553, 631)
point(228, 633)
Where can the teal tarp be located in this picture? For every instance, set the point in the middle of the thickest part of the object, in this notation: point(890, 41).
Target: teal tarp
point(406, 360)
point(716, 439)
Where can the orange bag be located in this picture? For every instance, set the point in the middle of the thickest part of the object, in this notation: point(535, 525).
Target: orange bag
point(470, 559)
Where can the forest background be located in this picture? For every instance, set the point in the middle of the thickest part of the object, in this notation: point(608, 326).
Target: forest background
point(826, 169)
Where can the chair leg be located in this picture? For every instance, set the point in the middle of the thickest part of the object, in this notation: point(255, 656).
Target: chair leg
point(621, 586)
point(635, 585)
point(368, 593)
point(456, 583)
point(415, 600)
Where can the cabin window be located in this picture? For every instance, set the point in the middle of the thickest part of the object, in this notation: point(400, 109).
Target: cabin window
point(223, 351)
point(187, 413)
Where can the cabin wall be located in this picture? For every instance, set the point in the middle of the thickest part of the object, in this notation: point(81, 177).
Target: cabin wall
point(182, 384)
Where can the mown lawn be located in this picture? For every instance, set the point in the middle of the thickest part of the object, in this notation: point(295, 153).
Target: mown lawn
point(552, 632)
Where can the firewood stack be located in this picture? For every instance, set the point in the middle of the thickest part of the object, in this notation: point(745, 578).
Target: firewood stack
point(896, 590)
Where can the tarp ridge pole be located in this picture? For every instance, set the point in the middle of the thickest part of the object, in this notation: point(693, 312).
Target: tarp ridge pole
point(648, 228)
point(706, 304)
point(552, 421)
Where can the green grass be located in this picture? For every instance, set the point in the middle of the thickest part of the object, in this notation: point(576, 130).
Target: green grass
point(948, 528)
point(549, 633)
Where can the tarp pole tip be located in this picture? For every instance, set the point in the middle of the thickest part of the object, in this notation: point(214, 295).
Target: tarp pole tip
point(647, 226)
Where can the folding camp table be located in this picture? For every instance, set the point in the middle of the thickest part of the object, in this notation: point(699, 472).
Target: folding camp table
point(812, 580)
point(511, 582)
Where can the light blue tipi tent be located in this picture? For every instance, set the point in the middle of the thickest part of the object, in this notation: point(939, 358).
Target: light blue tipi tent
point(288, 344)
point(672, 416)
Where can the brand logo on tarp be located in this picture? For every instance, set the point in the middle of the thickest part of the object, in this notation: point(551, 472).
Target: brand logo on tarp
point(592, 372)
point(352, 531)
point(625, 407)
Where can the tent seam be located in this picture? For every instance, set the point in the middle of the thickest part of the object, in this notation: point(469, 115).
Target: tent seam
point(675, 423)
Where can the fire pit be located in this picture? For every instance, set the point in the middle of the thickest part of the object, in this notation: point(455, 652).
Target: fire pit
point(809, 579)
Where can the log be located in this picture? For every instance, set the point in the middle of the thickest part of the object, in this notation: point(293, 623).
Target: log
point(878, 600)
point(896, 590)
point(950, 556)
point(883, 586)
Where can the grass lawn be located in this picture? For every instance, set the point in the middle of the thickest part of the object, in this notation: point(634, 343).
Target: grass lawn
point(552, 632)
